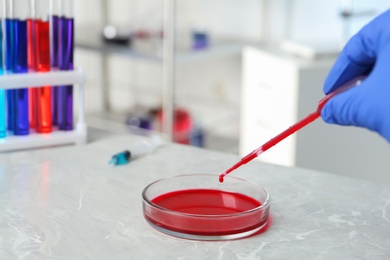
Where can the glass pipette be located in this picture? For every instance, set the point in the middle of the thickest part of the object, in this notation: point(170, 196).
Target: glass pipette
point(292, 129)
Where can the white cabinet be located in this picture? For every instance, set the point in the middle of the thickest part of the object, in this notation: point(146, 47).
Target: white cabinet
point(278, 90)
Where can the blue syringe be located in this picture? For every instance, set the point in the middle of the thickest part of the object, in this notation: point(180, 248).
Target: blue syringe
point(140, 149)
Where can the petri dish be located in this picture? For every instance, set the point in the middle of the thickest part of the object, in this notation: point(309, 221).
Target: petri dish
point(199, 207)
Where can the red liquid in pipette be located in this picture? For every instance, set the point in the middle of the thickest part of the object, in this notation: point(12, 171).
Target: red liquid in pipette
point(292, 129)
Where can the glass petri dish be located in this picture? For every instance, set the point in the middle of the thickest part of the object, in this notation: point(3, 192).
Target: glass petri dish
point(198, 206)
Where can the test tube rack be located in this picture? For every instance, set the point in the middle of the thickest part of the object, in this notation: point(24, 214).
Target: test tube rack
point(53, 78)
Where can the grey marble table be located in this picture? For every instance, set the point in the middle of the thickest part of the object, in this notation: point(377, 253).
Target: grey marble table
point(68, 203)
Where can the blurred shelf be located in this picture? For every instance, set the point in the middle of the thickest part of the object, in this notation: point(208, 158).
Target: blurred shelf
point(104, 124)
point(221, 48)
point(151, 49)
point(91, 40)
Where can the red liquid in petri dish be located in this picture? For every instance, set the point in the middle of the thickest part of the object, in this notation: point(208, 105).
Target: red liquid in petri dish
point(206, 212)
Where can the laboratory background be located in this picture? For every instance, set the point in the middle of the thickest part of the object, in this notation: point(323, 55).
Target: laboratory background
point(243, 72)
point(120, 121)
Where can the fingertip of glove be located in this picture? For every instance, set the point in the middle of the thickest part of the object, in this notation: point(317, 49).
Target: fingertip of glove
point(338, 74)
point(326, 113)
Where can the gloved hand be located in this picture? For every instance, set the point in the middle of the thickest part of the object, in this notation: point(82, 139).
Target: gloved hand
point(368, 104)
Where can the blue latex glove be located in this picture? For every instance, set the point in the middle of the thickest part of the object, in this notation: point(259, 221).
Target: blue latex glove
point(366, 105)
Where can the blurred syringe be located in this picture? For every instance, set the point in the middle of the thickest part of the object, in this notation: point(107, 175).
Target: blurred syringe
point(144, 147)
point(292, 129)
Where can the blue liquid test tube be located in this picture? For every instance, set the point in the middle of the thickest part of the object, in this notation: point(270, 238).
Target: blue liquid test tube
point(8, 35)
point(3, 122)
point(22, 124)
point(16, 52)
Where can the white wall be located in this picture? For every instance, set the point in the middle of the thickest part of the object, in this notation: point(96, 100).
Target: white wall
point(321, 20)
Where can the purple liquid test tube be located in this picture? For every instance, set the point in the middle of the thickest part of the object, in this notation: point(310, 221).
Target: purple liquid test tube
point(65, 61)
point(55, 9)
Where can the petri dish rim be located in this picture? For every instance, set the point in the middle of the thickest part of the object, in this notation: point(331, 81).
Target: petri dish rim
point(263, 205)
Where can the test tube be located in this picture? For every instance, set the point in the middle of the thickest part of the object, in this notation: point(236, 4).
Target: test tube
point(41, 96)
point(55, 11)
point(19, 98)
point(3, 123)
point(31, 61)
point(9, 58)
point(65, 61)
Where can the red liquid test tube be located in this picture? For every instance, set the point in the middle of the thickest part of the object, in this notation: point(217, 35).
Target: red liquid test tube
point(39, 45)
point(31, 67)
